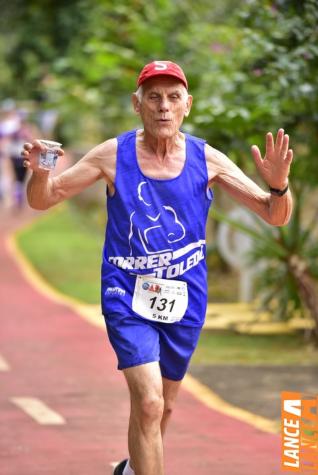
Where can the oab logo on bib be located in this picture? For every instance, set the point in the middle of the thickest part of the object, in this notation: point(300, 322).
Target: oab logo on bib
point(160, 300)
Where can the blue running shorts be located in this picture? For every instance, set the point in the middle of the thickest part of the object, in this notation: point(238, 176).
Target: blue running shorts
point(137, 341)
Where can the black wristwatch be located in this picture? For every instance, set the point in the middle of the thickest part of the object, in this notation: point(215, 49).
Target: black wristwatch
point(277, 192)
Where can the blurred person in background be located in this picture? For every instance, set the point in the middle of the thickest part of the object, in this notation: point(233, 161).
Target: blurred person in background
point(9, 125)
point(26, 132)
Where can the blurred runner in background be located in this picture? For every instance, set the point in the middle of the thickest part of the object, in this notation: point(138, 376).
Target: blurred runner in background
point(9, 125)
point(25, 132)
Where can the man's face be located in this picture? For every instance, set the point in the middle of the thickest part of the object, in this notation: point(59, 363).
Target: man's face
point(164, 104)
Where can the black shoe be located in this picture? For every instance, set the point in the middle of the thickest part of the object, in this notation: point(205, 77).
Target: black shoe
point(120, 468)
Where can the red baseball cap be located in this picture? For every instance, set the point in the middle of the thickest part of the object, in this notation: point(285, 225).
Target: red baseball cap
point(162, 68)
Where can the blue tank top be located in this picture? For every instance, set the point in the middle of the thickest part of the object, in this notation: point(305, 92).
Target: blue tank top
point(156, 227)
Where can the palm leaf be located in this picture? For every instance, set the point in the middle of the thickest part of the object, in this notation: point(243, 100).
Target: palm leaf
point(265, 236)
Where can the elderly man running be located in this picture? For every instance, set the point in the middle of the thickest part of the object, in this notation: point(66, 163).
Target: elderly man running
point(154, 289)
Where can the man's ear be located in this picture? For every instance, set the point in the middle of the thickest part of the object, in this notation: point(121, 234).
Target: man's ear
point(189, 105)
point(135, 103)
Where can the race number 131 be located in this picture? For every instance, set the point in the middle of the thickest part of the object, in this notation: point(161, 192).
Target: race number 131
point(161, 304)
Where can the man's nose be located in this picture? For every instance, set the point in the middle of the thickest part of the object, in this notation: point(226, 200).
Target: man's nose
point(164, 104)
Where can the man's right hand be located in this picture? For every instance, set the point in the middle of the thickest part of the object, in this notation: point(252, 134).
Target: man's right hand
point(30, 155)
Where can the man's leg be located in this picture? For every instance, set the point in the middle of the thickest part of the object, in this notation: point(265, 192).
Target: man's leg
point(147, 406)
point(177, 344)
point(170, 391)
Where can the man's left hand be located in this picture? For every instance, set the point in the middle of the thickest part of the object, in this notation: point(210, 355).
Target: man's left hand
point(274, 167)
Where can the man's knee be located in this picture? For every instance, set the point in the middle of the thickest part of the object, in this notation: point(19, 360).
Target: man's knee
point(150, 408)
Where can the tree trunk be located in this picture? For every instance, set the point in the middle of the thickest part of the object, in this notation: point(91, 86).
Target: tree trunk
point(306, 286)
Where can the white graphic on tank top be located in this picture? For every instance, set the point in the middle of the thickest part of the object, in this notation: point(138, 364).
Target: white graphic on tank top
point(139, 193)
point(156, 231)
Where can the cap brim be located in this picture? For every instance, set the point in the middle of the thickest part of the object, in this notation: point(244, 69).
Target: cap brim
point(163, 74)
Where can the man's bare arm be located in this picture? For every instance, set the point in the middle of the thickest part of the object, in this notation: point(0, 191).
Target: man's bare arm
point(275, 210)
point(44, 192)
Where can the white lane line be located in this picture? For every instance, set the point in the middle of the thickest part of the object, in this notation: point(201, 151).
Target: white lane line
point(39, 411)
point(4, 365)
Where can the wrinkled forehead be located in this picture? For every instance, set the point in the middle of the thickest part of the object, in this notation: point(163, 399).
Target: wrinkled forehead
point(163, 84)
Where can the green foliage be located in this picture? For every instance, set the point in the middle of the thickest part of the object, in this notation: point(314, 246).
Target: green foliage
point(84, 55)
point(37, 33)
point(274, 247)
point(258, 77)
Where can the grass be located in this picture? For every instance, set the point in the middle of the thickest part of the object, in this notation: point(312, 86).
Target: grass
point(230, 348)
point(66, 248)
point(66, 251)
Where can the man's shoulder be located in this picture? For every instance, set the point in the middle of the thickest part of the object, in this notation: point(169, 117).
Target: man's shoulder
point(126, 136)
point(103, 151)
point(213, 153)
point(108, 147)
point(112, 142)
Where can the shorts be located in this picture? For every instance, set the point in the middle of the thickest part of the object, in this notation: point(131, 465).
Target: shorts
point(137, 341)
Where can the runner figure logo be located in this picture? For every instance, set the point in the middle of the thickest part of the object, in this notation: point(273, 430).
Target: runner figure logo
point(155, 240)
point(149, 224)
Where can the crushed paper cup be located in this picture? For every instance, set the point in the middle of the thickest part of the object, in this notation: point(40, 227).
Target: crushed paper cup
point(47, 159)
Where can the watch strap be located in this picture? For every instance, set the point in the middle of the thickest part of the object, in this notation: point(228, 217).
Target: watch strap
point(277, 192)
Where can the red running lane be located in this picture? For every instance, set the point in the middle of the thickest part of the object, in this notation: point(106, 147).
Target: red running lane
point(60, 358)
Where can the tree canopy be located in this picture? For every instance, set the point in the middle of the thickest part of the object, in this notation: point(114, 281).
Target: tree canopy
point(246, 74)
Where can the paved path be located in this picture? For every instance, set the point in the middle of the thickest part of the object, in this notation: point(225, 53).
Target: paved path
point(51, 356)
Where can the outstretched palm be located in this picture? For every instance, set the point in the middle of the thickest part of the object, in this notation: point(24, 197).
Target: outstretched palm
point(274, 167)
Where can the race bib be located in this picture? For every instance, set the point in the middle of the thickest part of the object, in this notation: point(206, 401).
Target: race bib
point(160, 300)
